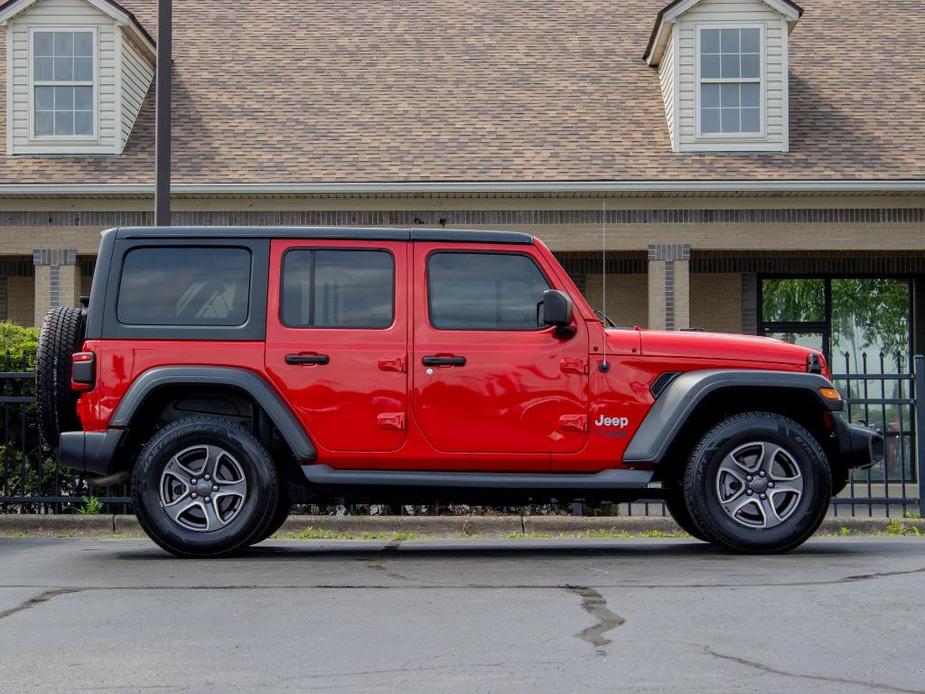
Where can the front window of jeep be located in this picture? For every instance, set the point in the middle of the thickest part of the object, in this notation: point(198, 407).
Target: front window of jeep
point(485, 291)
point(185, 286)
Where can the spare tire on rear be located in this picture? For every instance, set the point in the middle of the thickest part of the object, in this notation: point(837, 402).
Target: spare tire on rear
point(62, 334)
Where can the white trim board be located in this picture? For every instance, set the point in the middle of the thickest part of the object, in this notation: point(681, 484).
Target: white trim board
point(782, 7)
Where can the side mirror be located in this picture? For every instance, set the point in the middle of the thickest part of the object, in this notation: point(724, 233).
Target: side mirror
point(558, 311)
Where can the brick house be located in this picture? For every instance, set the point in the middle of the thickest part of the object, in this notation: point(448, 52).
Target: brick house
point(731, 147)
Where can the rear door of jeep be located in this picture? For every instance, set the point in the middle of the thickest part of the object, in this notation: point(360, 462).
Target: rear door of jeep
point(337, 341)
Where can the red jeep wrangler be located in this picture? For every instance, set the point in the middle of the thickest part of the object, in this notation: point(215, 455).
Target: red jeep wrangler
point(233, 372)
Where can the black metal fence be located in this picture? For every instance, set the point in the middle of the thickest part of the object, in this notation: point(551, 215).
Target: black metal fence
point(31, 481)
point(880, 392)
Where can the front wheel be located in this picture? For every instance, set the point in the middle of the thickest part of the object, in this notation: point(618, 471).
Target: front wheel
point(283, 507)
point(674, 502)
point(204, 487)
point(758, 482)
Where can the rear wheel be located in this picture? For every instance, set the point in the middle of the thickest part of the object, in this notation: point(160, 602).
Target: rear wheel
point(204, 487)
point(758, 482)
point(62, 334)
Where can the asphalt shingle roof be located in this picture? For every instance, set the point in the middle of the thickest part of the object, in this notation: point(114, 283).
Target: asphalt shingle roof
point(301, 91)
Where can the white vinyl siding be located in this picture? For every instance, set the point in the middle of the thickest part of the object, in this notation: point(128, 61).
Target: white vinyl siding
point(71, 15)
point(137, 73)
point(733, 14)
point(666, 79)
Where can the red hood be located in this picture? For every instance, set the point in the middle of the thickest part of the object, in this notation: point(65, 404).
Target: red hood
point(720, 346)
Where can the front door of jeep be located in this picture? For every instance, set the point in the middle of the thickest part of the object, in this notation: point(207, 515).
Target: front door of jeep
point(337, 341)
point(487, 376)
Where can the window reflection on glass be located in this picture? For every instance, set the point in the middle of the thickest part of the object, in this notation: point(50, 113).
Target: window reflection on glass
point(870, 335)
point(810, 340)
point(792, 300)
point(870, 316)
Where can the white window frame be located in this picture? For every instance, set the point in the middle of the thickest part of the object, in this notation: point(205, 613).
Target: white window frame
point(65, 139)
point(762, 134)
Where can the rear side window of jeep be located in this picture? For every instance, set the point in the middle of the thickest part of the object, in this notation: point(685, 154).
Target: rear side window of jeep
point(185, 286)
point(338, 288)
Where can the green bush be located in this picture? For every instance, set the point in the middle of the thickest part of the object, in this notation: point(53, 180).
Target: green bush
point(19, 342)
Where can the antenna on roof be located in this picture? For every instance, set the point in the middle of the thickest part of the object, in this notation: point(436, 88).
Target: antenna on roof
point(604, 366)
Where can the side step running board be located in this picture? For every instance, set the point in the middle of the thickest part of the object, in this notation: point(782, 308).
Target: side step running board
point(607, 479)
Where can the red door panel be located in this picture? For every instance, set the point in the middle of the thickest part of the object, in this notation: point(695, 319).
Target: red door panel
point(347, 385)
point(496, 391)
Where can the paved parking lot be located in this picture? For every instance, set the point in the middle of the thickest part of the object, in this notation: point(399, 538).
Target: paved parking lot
point(839, 615)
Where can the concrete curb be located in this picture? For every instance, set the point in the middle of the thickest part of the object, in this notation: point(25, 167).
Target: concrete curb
point(12, 525)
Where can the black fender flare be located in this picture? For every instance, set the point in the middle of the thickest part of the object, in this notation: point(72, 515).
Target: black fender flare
point(251, 383)
point(684, 394)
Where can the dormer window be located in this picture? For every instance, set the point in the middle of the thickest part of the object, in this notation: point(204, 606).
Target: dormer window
point(77, 74)
point(730, 81)
point(723, 69)
point(63, 84)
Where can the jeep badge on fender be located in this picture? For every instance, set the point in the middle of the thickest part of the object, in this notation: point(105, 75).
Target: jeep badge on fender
point(619, 422)
point(229, 373)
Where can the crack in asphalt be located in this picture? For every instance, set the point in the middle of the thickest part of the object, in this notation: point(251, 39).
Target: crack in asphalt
point(803, 676)
point(386, 671)
point(592, 602)
point(424, 584)
point(38, 600)
point(386, 571)
point(595, 605)
point(52, 591)
point(881, 574)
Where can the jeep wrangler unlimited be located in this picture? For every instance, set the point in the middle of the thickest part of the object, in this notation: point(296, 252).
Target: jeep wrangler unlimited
point(229, 373)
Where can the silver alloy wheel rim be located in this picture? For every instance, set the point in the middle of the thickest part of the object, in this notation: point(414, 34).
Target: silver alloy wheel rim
point(759, 485)
point(203, 488)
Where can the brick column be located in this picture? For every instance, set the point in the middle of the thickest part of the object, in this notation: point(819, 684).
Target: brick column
point(669, 286)
point(749, 303)
point(57, 280)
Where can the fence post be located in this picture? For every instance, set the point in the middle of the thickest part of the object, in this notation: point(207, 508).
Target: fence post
point(919, 374)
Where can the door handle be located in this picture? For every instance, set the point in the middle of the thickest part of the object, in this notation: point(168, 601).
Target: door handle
point(297, 359)
point(444, 361)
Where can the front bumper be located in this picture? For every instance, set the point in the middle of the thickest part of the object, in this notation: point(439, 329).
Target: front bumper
point(858, 446)
point(90, 452)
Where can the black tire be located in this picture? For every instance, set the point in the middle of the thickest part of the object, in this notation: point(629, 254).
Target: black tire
point(283, 507)
point(674, 501)
point(753, 518)
point(236, 522)
point(62, 334)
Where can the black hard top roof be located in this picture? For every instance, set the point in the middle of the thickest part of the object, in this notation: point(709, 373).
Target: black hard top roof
point(357, 233)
